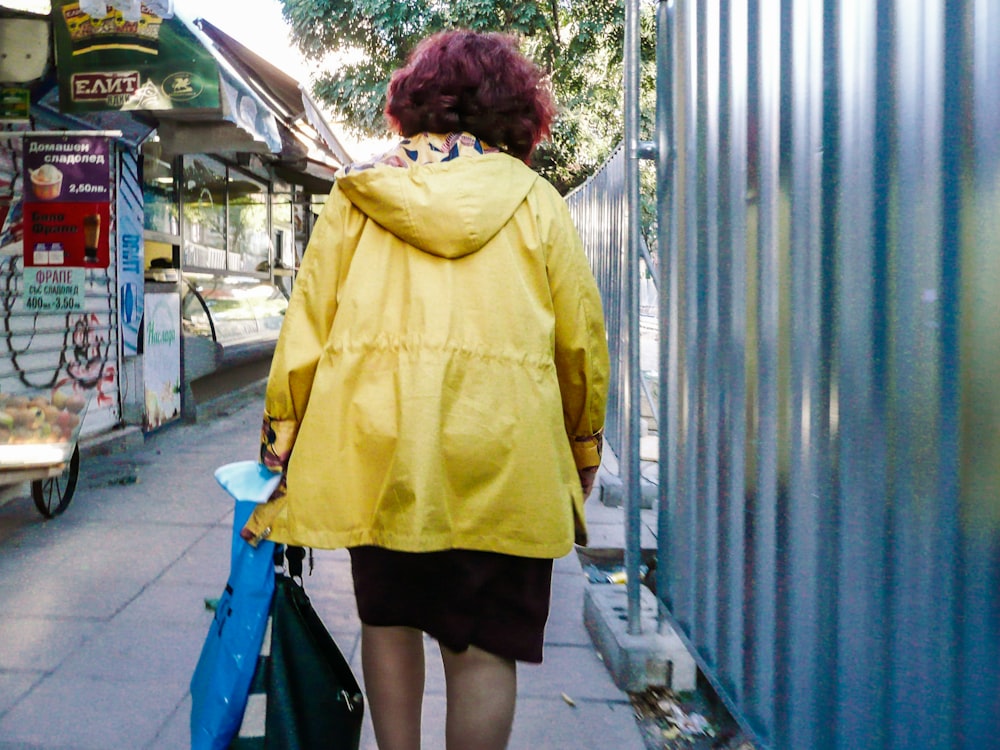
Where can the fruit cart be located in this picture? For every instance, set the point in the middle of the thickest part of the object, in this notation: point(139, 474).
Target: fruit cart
point(38, 445)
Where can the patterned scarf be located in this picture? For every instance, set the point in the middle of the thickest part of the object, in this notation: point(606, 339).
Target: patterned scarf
point(425, 148)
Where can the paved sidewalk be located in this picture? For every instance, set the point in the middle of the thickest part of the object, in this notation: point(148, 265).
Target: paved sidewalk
point(103, 612)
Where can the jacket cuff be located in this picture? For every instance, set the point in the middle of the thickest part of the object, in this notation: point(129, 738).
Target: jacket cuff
point(277, 438)
point(587, 450)
point(262, 519)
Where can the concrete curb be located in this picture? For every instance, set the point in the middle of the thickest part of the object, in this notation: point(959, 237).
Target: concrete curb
point(612, 493)
point(635, 662)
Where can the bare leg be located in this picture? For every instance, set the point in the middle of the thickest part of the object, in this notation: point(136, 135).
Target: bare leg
point(482, 691)
point(393, 662)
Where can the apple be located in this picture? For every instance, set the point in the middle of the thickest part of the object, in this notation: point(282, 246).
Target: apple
point(67, 420)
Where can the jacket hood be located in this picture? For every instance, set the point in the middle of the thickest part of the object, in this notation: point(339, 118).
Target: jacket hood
point(449, 209)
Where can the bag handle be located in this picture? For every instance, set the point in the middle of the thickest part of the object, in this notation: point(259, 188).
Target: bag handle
point(291, 557)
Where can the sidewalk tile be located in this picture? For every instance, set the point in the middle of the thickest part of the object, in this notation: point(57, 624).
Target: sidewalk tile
point(87, 714)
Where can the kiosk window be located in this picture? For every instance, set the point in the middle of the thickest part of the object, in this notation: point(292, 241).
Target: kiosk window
point(248, 236)
point(158, 194)
point(203, 203)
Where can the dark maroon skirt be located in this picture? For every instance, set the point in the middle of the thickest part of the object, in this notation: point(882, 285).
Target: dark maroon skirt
point(498, 603)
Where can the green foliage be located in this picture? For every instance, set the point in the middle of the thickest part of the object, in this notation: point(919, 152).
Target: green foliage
point(578, 42)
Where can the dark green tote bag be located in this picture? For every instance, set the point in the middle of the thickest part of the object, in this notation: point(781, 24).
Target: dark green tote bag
point(304, 695)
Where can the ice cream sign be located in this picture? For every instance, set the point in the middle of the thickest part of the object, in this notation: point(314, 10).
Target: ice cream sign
point(67, 168)
point(67, 215)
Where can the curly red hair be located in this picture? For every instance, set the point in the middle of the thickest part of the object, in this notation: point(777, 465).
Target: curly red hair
point(475, 82)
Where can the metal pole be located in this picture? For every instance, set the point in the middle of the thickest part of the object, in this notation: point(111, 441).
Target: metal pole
point(630, 322)
point(666, 255)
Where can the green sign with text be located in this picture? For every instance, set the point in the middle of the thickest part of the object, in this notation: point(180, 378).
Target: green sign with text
point(111, 63)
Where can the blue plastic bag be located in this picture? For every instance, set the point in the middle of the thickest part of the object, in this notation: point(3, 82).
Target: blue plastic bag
point(221, 680)
point(247, 481)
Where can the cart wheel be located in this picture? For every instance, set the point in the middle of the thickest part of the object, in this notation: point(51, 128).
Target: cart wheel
point(52, 495)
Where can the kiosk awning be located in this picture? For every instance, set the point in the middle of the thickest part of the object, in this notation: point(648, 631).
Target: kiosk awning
point(162, 65)
point(288, 98)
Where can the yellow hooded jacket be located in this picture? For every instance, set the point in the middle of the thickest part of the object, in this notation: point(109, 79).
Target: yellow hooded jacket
point(442, 367)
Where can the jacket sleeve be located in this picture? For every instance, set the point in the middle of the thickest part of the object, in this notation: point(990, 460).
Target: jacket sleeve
point(581, 345)
point(304, 331)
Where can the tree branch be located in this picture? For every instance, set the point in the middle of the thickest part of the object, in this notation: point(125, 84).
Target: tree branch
point(554, 7)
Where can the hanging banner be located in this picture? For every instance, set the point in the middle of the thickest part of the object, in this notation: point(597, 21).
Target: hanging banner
point(67, 188)
point(162, 359)
point(126, 61)
point(66, 234)
point(129, 213)
point(67, 168)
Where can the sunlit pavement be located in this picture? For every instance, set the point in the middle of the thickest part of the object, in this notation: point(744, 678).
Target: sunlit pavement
point(103, 608)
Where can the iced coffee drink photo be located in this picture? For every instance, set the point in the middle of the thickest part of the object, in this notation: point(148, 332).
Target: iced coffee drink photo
point(91, 237)
point(46, 181)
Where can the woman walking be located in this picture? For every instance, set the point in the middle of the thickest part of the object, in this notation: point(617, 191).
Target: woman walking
point(437, 395)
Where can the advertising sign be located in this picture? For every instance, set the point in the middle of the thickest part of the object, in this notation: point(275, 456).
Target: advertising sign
point(67, 168)
point(161, 362)
point(54, 289)
point(66, 234)
point(112, 62)
point(67, 187)
point(130, 268)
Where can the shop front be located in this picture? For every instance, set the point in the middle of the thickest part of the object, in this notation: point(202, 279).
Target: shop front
point(217, 165)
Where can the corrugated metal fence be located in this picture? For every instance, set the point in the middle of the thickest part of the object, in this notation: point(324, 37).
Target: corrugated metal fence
point(599, 212)
point(830, 452)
